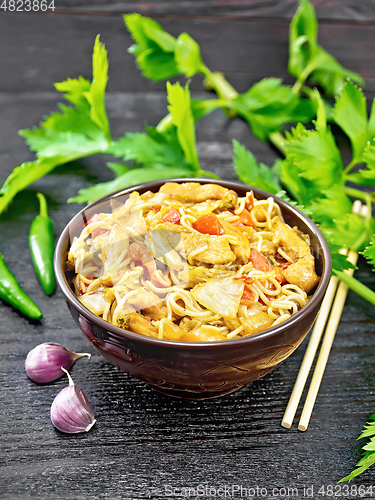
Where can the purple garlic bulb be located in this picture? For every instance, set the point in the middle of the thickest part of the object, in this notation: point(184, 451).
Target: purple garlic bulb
point(44, 363)
point(70, 411)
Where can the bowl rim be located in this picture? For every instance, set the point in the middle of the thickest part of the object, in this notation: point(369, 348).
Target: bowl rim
point(220, 344)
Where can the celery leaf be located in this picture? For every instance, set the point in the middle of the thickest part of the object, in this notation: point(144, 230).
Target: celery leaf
point(74, 89)
point(282, 194)
point(303, 32)
point(95, 95)
point(134, 176)
point(154, 47)
point(298, 187)
point(266, 106)
point(332, 204)
point(350, 114)
point(251, 172)
point(203, 107)
point(148, 33)
point(159, 55)
point(371, 125)
point(81, 129)
point(349, 231)
point(315, 159)
point(369, 252)
point(183, 119)
point(51, 143)
point(145, 150)
point(369, 156)
point(188, 55)
point(329, 73)
point(26, 174)
point(366, 177)
point(307, 59)
point(340, 262)
point(117, 168)
point(368, 457)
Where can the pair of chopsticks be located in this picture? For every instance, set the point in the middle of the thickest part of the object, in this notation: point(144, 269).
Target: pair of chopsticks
point(338, 301)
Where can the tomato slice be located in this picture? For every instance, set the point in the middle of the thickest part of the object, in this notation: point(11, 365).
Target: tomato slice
point(93, 218)
point(279, 274)
point(244, 219)
point(172, 216)
point(141, 253)
point(249, 203)
point(155, 207)
point(248, 297)
point(259, 261)
point(246, 279)
point(208, 224)
point(95, 232)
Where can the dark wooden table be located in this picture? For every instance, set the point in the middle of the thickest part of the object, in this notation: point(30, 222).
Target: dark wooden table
point(146, 445)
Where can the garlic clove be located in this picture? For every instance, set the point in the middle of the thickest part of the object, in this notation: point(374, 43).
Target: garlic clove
point(71, 411)
point(43, 363)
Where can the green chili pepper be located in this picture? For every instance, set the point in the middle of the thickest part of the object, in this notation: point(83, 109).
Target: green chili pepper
point(42, 247)
point(11, 292)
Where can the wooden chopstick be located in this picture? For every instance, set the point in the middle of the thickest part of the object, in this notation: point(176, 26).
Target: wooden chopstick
point(314, 343)
point(325, 349)
point(310, 354)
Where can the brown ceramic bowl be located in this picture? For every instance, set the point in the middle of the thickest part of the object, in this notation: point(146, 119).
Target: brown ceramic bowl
point(186, 369)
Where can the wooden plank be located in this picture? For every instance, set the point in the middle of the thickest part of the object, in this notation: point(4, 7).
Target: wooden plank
point(145, 442)
point(249, 50)
point(279, 9)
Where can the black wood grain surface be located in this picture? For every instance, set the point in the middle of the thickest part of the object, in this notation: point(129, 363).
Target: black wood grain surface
point(348, 10)
point(146, 445)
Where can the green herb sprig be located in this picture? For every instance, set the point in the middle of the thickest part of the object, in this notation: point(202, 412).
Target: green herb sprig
point(312, 169)
point(82, 129)
point(368, 457)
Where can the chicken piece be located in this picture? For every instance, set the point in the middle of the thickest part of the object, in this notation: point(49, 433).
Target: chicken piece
point(137, 323)
point(218, 251)
point(143, 299)
point(267, 248)
point(109, 294)
point(156, 312)
point(242, 249)
point(285, 238)
point(171, 331)
point(256, 323)
point(302, 271)
point(193, 192)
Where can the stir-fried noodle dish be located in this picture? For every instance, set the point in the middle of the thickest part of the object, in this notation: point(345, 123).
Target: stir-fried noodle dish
point(193, 263)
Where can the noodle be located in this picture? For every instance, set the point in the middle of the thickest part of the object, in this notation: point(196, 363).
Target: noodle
point(193, 262)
